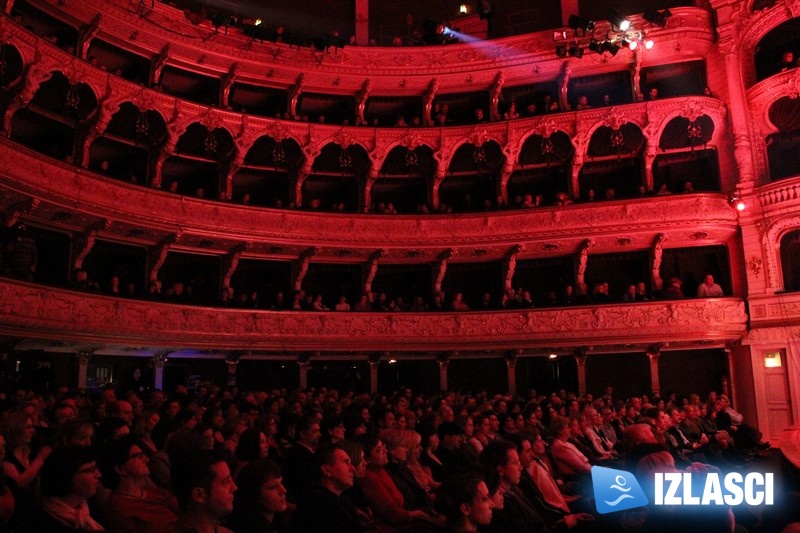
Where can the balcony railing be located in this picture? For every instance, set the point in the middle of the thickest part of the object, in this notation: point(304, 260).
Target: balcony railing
point(31, 311)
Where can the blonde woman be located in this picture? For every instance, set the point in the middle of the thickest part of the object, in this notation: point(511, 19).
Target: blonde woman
point(421, 473)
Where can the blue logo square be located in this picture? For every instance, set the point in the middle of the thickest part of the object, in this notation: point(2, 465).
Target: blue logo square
point(616, 490)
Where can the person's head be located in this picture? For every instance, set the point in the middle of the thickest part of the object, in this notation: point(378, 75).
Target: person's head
point(559, 428)
point(356, 454)
point(261, 489)
point(307, 430)
point(375, 452)
point(465, 501)
point(202, 483)
point(124, 458)
point(252, 445)
point(75, 432)
point(70, 471)
point(18, 430)
point(524, 448)
point(121, 409)
point(336, 470)
point(502, 457)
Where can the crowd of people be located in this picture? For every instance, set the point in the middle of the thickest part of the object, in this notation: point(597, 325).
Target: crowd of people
point(214, 459)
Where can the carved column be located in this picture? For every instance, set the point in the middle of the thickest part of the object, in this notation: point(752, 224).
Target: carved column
point(583, 260)
point(656, 254)
point(442, 269)
point(563, 99)
point(361, 98)
point(511, 265)
point(159, 360)
point(636, 78)
point(232, 262)
point(87, 34)
point(373, 269)
point(580, 359)
point(430, 94)
point(443, 360)
point(226, 83)
point(511, 366)
point(159, 255)
point(302, 268)
point(310, 153)
point(497, 87)
point(654, 353)
point(87, 241)
point(729, 46)
point(302, 365)
point(579, 142)
point(294, 97)
point(369, 181)
point(650, 152)
point(374, 362)
point(158, 63)
point(83, 369)
point(232, 360)
point(731, 374)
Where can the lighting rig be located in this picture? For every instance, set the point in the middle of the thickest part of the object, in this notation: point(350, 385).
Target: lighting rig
point(606, 36)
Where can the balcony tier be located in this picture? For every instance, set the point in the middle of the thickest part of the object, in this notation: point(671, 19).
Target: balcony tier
point(31, 311)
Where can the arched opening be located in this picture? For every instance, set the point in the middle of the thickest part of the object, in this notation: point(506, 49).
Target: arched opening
point(790, 261)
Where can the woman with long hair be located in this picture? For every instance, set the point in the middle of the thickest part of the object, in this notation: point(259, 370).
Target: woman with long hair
point(24, 457)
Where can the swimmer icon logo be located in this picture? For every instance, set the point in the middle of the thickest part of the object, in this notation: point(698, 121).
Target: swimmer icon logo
point(616, 490)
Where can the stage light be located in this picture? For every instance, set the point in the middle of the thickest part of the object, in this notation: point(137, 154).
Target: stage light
point(648, 44)
point(611, 48)
point(580, 24)
point(737, 203)
point(462, 9)
point(630, 44)
point(575, 51)
point(618, 20)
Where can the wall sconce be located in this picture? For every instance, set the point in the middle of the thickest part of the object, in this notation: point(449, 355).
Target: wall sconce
point(772, 360)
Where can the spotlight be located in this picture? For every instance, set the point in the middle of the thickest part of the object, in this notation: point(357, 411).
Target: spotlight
point(630, 44)
point(611, 48)
point(580, 24)
point(648, 44)
point(658, 18)
point(737, 203)
point(462, 9)
point(618, 20)
point(561, 50)
point(552, 356)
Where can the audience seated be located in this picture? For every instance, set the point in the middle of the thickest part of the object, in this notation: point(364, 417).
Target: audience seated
point(339, 491)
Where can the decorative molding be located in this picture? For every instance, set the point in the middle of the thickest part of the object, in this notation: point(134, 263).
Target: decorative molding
point(26, 174)
point(44, 312)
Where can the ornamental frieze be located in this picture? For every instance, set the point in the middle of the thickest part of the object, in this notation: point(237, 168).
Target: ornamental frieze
point(55, 313)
